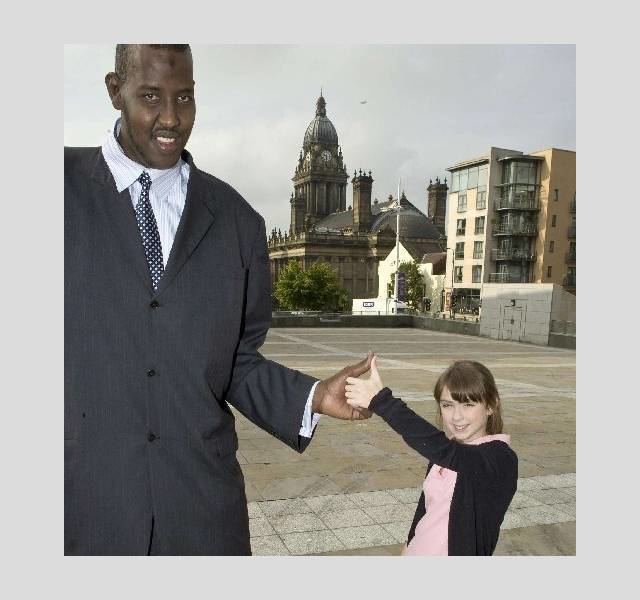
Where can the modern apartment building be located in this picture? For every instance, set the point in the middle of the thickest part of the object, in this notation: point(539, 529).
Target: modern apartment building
point(511, 219)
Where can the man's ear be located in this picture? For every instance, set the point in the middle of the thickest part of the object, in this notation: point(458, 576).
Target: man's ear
point(114, 85)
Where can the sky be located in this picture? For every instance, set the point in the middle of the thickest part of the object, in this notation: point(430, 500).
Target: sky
point(427, 108)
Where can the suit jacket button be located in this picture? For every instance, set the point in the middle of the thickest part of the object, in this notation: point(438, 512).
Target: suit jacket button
point(154, 304)
point(151, 373)
point(151, 436)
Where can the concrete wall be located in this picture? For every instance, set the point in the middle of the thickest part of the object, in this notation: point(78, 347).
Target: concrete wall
point(518, 312)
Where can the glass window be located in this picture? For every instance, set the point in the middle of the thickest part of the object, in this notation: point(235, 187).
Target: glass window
point(507, 171)
point(476, 274)
point(555, 195)
point(455, 181)
point(551, 246)
point(458, 274)
point(482, 176)
point(477, 249)
point(461, 226)
point(459, 250)
point(462, 202)
point(464, 176)
point(481, 199)
point(479, 225)
point(553, 220)
point(548, 271)
point(473, 178)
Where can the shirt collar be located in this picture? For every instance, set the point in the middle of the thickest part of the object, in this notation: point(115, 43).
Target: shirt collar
point(126, 171)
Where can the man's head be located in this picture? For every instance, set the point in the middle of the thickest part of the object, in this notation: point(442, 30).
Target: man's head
point(152, 86)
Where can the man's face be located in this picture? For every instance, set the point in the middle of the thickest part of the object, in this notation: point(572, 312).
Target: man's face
point(157, 104)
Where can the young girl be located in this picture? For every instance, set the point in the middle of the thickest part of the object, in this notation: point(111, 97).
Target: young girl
point(473, 473)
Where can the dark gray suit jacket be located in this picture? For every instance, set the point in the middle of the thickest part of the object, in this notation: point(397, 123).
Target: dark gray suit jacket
point(149, 438)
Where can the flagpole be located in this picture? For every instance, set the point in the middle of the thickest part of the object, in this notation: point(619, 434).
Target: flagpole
point(395, 295)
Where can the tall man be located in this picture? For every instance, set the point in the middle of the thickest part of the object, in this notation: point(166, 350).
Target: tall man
point(167, 300)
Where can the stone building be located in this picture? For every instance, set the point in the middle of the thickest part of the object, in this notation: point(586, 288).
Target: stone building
point(354, 238)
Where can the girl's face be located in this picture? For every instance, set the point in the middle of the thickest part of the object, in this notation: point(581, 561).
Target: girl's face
point(463, 421)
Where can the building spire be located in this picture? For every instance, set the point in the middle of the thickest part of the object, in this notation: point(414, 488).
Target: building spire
point(321, 110)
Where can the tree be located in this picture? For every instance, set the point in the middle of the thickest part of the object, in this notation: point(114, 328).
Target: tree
point(414, 283)
point(317, 288)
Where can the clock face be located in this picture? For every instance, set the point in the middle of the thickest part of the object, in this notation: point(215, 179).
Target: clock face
point(326, 156)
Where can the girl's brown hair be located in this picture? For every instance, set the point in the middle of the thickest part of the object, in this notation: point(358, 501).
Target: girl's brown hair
point(471, 381)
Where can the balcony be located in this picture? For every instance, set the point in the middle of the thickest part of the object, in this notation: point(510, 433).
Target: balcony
point(569, 281)
point(512, 254)
point(504, 278)
point(570, 257)
point(459, 232)
point(572, 207)
point(516, 203)
point(477, 254)
point(572, 231)
point(529, 229)
point(459, 255)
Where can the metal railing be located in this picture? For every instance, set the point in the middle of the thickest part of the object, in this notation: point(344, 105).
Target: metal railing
point(511, 203)
point(570, 257)
point(571, 232)
point(477, 254)
point(504, 278)
point(569, 281)
point(512, 254)
point(572, 207)
point(459, 255)
point(515, 229)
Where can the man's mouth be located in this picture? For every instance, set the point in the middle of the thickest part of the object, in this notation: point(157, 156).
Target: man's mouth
point(167, 144)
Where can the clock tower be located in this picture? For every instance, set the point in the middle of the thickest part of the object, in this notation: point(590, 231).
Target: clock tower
point(320, 179)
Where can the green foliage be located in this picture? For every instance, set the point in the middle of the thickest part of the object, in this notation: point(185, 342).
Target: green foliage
point(414, 282)
point(317, 288)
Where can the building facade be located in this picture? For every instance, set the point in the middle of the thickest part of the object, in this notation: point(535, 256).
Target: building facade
point(353, 239)
point(511, 219)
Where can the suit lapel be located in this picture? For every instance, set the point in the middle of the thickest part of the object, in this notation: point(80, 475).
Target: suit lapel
point(118, 210)
point(197, 217)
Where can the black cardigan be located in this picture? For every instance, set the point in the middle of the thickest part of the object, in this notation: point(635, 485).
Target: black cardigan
point(486, 481)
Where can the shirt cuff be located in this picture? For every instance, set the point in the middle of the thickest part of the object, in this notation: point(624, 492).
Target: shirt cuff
point(309, 419)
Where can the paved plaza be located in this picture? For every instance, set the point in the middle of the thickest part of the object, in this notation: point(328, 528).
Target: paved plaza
point(355, 489)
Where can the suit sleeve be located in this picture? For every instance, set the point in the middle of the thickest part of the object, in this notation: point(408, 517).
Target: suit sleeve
point(268, 394)
point(485, 462)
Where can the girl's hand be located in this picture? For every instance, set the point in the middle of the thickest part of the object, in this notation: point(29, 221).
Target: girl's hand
point(360, 392)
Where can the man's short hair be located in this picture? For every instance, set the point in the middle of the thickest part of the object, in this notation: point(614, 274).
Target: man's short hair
point(124, 54)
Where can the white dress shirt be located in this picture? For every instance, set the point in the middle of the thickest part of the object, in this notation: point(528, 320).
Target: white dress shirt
point(167, 196)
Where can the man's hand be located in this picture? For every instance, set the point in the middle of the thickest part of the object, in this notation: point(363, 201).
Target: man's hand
point(360, 392)
point(329, 397)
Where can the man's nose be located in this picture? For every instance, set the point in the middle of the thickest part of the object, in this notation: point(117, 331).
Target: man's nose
point(168, 118)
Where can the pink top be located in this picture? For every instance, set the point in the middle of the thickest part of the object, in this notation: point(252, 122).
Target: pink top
point(432, 532)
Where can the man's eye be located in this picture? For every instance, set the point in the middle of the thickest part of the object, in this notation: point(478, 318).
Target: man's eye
point(151, 97)
point(184, 99)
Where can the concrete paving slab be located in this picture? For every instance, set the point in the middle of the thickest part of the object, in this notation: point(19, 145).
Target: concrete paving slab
point(312, 542)
point(336, 519)
point(299, 522)
point(364, 536)
point(391, 513)
point(259, 527)
point(269, 545)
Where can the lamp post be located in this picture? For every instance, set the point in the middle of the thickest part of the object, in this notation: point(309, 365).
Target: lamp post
point(453, 256)
point(395, 287)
